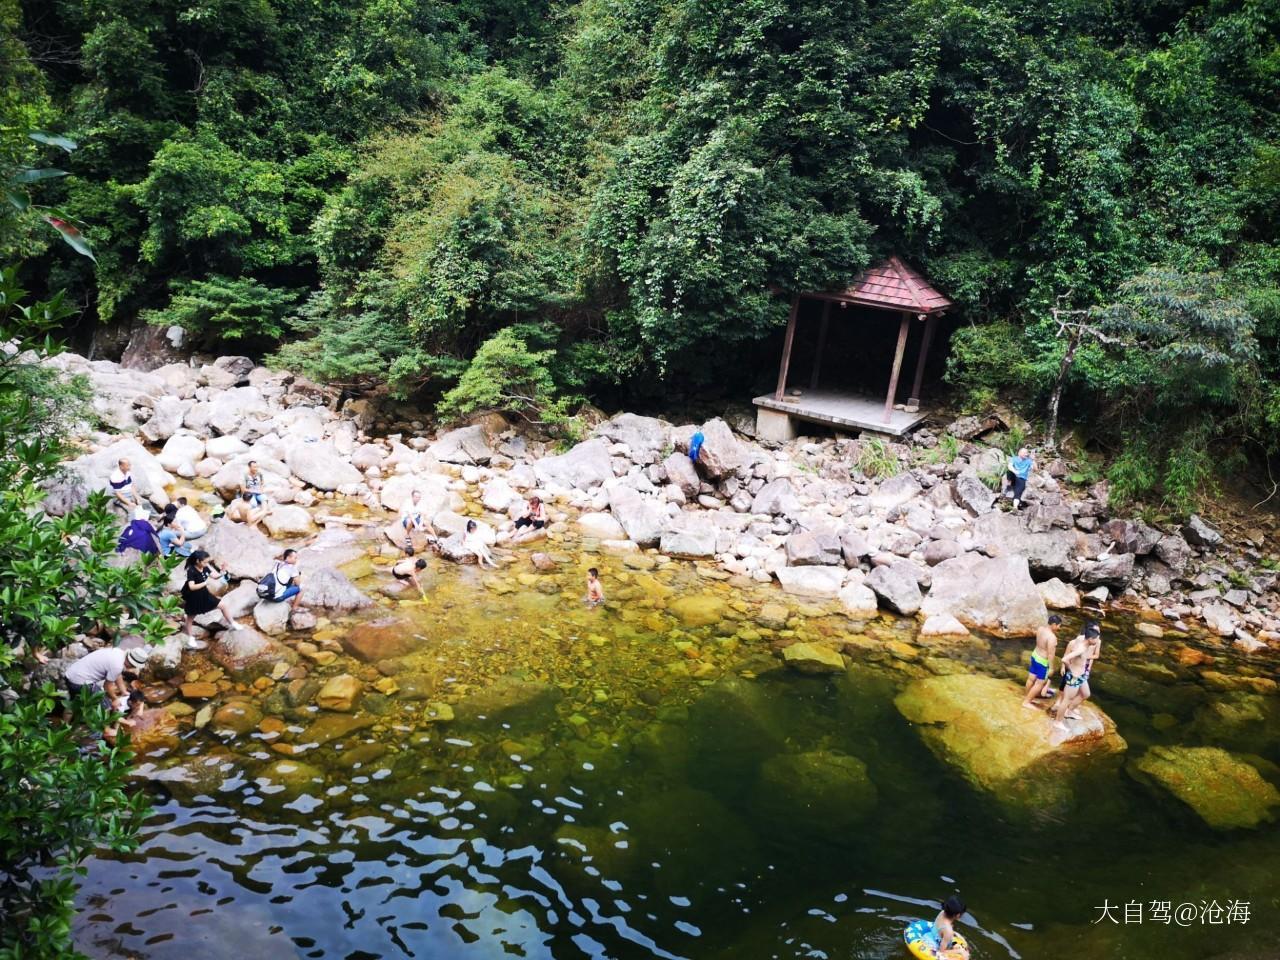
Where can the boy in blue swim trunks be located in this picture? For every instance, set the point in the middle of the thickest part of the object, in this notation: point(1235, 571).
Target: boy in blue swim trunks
point(1041, 664)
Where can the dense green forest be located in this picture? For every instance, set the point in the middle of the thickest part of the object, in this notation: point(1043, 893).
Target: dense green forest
point(612, 197)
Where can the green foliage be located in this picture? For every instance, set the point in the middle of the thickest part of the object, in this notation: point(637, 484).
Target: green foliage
point(507, 376)
point(876, 461)
point(64, 791)
point(221, 308)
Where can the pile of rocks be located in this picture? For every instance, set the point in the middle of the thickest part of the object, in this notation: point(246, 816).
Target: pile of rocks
point(930, 540)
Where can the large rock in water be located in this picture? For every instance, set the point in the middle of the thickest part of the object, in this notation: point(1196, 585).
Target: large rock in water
point(332, 590)
point(339, 693)
point(978, 725)
point(289, 521)
point(812, 581)
point(897, 587)
point(317, 465)
point(242, 551)
point(721, 453)
point(246, 654)
point(690, 536)
point(820, 794)
point(995, 594)
point(645, 437)
point(436, 495)
point(510, 700)
point(1227, 792)
point(643, 518)
point(384, 639)
point(585, 466)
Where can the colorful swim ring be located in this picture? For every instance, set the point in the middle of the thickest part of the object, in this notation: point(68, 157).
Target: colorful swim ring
point(924, 945)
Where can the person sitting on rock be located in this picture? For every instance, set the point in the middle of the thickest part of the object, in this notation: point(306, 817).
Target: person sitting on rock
point(193, 525)
point(243, 511)
point(407, 569)
point(172, 537)
point(412, 520)
point(1077, 662)
point(122, 487)
point(474, 543)
point(139, 535)
point(288, 579)
point(1015, 478)
point(531, 523)
point(1042, 660)
point(251, 483)
point(197, 600)
point(595, 592)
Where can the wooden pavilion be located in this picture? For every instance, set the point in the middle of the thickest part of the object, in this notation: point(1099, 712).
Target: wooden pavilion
point(891, 286)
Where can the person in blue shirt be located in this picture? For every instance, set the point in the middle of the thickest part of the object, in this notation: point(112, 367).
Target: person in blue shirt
point(1015, 478)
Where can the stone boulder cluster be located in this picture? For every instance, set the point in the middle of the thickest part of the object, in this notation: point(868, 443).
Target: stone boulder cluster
point(930, 539)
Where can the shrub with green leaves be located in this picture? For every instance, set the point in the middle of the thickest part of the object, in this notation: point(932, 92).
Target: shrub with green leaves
point(64, 792)
point(505, 375)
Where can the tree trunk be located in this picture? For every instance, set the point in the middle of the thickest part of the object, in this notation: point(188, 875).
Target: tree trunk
point(1055, 399)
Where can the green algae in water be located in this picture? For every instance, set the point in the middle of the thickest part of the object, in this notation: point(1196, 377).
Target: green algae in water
point(709, 804)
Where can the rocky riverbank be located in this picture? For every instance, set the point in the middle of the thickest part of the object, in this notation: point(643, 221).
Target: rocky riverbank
point(929, 540)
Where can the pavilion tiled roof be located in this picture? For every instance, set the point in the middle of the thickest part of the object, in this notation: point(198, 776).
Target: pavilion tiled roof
point(892, 285)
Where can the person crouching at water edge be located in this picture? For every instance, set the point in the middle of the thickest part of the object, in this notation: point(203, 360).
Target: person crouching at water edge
point(196, 598)
point(407, 570)
point(1042, 660)
point(474, 542)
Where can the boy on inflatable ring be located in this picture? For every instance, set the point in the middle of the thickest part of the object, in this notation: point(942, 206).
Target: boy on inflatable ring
point(938, 940)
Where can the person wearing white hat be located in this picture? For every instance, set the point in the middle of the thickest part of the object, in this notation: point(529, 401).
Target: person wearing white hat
point(107, 670)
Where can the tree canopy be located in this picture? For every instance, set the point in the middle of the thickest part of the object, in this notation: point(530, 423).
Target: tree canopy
point(377, 189)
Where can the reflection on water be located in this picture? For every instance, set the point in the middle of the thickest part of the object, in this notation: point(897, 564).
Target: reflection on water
point(644, 781)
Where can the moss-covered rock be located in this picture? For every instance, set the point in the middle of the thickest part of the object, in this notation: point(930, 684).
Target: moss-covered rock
point(820, 794)
point(1222, 788)
point(978, 725)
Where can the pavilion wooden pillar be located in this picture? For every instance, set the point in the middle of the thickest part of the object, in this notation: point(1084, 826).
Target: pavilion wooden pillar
point(903, 328)
point(786, 349)
point(924, 355)
point(822, 344)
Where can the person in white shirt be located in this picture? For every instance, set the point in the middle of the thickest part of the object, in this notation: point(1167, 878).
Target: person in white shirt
point(123, 488)
point(104, 670)
point(193, 525)
point(288, 579)
point(475, 543)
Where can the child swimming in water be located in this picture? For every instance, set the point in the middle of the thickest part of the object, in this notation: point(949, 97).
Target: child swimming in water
point(953, 908)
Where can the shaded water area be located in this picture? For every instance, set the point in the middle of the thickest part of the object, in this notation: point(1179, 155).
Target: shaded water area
point(649, 781)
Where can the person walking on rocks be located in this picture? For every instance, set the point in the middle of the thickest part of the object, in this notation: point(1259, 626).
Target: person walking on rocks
point(1077, 662)
point(251, 484)
point(1016, 477)
point(1042, 660)
point(122, 487)
point(197, 600)
point(288, 579)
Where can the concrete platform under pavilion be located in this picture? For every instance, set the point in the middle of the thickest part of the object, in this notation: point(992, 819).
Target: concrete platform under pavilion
point(891, 286)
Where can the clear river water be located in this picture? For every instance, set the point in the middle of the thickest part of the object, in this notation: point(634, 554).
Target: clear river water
point(623, 782)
